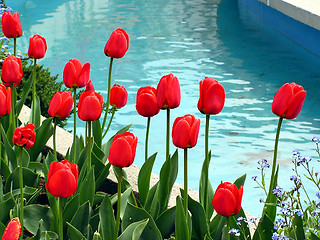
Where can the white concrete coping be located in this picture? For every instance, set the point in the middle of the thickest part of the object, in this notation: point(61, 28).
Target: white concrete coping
point(305, 11)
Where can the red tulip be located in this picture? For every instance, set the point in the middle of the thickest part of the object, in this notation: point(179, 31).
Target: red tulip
point(75, 75)
point(212, 96)
point(37, 47)
point(185, 131)
point(168, 92)
point(288, 101)
point(11, 25)
point(89, 87)
point(60, 104)
point(90, 106)
point(62, 179)
point(11, 74)
point(118, 96)
point(13, 230)
point(117, 44)
point(5, 100)
point(24, 136)
point(147, 102)
point(123, 150)
point(227, 199)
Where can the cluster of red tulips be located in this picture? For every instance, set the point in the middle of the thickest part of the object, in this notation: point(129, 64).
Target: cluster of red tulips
point(63, 177)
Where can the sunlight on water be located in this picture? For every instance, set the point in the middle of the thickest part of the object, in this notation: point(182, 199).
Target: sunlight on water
point(191, 39)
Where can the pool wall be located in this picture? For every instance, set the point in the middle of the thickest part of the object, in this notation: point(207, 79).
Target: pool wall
point(295, 22)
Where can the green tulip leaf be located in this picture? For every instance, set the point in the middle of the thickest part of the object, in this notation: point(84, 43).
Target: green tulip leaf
point(165, 222)
point(240, 181)
point(35, 107)
point(97, 163)
point(5, 208)
point(199, 222)
point(135, 214)
point(24, 94)
point(134, 230)
point(103, 175)
point(107, 145)
point(107, 221)
point(33, 214)
point(124, 200)
point(97, 132)
point(79, 145)
point(71, 208)
point(8, 149)
point(168, 176)
point(313, 236)
point(81, 219)
point(298, 227)
point(5, 169)
point(74, 233)
point(2, 228)
point(38, 235)
point(181, 222)
point(82, 164)
point(48, 235)
point(94, 223)
point(46, 163)
point(144, 178)
point(29, 179)
point(265, 229)
point(87, 188)
point(209, 211)
point(152, 204)
point(43, 133)
point(216, 226)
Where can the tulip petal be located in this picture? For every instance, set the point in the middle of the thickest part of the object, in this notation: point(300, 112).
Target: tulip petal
point(69, 74)
point(282, 99)
point(224, 202)
point(194, 132)
point(239, 199)
point(84, 75)
point(213, 99)
point(295, 105)
point(62, 183)
point(180, 133)
point(54, 104)
point(120, 153)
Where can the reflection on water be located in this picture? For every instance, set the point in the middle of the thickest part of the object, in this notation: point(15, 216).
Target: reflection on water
point(192, 39)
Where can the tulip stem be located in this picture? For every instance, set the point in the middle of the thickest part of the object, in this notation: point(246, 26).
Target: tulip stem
point(12, 112)
point(34, 92)
point(21, 189)
point(74, 124)
point(109, 124)
point(225, 233)
point(60, 219)
point(186, 181)
point(54, 138)
point(168, 134)
point(206, 169)
point(118, 205)
point(275, 153)
point(108, 97)
point(89, 147)
point(15, 47)
point(147, 139)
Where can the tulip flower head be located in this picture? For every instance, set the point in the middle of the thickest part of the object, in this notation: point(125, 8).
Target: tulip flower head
point(118, 44)
point(212, 96)
point(90, 106)
point(24, 136)
point(123, 150)
point(288, 101)
point(168, 92)
point(11, 25)
point(13, 230)
point(185, 131)
point(5, 100)
point(11, 74)
point(89, 86)
point(146, 103)
point(60, 104)
point(62, 179)
point(118, 96)
point(76, 75)
point(227, 199)
point(37, 47)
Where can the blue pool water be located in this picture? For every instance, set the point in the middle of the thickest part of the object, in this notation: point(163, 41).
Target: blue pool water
point(192, 39)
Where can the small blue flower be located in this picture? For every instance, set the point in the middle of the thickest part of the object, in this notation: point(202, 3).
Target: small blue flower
point(299, 213)
point(315, 139)
point(261, 200)
point(278, 191)
point(234, 231)
point(254, 178)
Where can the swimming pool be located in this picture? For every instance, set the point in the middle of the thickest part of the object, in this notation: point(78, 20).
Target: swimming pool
point(191, 39)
